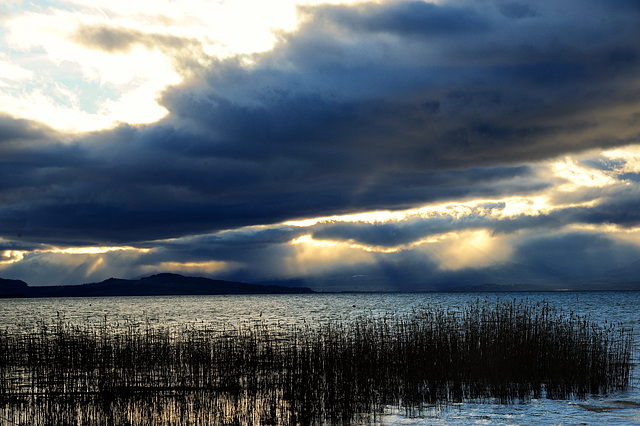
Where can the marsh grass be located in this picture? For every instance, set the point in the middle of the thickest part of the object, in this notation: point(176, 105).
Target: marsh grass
point(333, 373)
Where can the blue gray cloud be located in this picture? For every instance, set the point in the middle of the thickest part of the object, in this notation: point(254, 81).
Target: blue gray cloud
point(376, 106)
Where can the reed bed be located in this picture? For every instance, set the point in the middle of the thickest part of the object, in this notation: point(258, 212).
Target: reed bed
point(333, 373)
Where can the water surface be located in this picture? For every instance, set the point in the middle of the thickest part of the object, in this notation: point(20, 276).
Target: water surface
point(621, 408)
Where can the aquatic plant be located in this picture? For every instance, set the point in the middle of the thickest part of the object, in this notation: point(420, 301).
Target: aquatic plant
point(336, 372)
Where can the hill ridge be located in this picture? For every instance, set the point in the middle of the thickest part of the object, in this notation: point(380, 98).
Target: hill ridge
point(162, 284)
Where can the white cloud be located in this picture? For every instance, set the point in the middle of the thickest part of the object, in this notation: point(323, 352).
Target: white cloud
point(136, 77)
point(11, 73)
point(44, 37)
point(41, 106)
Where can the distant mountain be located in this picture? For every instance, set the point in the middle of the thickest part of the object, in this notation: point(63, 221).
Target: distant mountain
point(13, 288)
point(155, 285)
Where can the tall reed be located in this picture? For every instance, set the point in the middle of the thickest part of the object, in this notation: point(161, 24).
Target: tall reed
point(336, 373)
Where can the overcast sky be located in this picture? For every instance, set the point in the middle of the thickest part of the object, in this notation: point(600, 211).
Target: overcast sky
point(379, 145)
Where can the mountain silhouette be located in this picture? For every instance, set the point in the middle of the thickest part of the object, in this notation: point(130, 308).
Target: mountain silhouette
point(155, 285)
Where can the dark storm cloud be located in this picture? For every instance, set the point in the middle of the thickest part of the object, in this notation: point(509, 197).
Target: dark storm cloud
point(408, 103)
point(577, 255)
point(9, 245)
point(246, 245)
point(515, 10)
point(623, 211)
point(406, 18)
point(15, 130)
point(415, 229)
point(362, 108)
point(112, 39)
point(617, 205)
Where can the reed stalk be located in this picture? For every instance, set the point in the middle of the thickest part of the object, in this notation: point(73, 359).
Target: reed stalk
point(332, 373)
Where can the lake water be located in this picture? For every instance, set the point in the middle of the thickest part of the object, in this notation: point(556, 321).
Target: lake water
point(620, 408)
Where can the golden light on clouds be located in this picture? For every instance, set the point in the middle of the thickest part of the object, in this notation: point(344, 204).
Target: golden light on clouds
point(91, 250)
point(313, 256)
point(473, 248)
point(616, 232)
point(628, 158)
point(499, 208)
point(469, 249)
point(206, 267)
point(577, 176)
point(573, 178)
point(91, 257)
point(451, 251)
point(367, 217)
point(11, 256)
point(528, 206)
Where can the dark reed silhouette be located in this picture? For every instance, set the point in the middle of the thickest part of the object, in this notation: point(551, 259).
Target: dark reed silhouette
point(333, 373)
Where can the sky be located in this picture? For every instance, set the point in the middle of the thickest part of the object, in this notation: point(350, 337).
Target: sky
point(369, 145)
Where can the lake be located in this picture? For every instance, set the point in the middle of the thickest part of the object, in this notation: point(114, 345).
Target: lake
point(224, 311)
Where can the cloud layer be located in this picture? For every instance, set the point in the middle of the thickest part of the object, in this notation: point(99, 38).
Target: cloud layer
point(375, 106)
